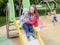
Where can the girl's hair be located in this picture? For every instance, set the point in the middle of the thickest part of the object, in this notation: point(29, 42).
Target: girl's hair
point(35, 11)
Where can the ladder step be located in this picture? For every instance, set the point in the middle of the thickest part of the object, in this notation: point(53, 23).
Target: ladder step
point(11, 27)
point(17, 18)
point(12, 30)
point(11, 24)
point(13, 33)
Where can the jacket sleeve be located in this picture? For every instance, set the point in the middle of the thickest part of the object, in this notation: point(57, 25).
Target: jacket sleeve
point(32, 21)
point(20, 20)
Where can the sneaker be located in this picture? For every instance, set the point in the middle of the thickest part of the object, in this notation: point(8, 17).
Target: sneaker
point(28, 38)
point(52, 21)
point(34, 36)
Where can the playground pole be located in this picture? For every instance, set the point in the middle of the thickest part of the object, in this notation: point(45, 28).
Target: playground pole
point(49, 6)
point(7, 22)
point(10, 15)
point(57, 4)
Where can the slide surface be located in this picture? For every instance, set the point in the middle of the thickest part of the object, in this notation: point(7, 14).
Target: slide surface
point(22, 34)
point(23, 38)
point(32, 41)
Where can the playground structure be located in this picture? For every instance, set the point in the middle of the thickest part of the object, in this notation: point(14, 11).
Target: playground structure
point(46, 5)
point(11, 20)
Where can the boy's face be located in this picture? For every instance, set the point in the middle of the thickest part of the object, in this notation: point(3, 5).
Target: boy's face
point(26, 13)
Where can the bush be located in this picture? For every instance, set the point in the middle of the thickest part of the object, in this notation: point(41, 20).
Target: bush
point(2, 21)
point(35, 1)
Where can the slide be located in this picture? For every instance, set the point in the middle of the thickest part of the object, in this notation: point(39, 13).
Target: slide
point(21, 33)
point(32, 42)
point(23, 38)
point(11, 11)
point(26, 3)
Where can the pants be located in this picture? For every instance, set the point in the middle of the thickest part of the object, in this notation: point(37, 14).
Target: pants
point(54, 19)
point(28, 29)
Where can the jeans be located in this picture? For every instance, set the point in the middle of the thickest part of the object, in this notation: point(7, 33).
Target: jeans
point(28, 29)
point(54, 19)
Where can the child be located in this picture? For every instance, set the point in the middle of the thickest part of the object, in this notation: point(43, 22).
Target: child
point(34, 17)
point(49, 13)
point(54, 16)
point(27, 27)
point(24, 17)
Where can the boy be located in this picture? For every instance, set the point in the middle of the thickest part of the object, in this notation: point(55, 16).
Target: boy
point(24, 17)
point(54, 16)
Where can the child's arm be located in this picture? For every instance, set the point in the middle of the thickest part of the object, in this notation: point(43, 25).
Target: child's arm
point(20, 20)
point(32, 21)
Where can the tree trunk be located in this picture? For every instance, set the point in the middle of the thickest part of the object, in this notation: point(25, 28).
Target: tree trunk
point(20, 6)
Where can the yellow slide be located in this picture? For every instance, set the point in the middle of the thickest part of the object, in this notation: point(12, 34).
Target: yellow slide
point(23, 38)
point(22, 34)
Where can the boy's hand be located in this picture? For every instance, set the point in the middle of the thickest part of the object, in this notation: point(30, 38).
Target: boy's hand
point(24, 20)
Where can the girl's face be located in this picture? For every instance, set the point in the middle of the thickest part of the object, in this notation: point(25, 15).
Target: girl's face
point(32, 10)
point(26, 13)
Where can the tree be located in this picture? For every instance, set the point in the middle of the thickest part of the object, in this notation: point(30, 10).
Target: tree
point(58, 1)
point(35, 1)
point(2, 7)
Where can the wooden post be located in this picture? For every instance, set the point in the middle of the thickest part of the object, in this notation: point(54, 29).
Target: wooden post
point(7, 21)
point(20, 6)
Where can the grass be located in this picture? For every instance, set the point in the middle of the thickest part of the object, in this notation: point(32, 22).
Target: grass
point(2, 21)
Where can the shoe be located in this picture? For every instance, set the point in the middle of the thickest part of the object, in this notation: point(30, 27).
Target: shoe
point(28, 38)
point(52, 21)
point(34, 36)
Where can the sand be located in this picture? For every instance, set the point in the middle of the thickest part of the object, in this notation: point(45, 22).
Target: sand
point(49, 30)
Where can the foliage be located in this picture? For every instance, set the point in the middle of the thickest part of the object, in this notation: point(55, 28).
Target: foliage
point(58, 0)
point(2, 21)
point(2, 7)
point(35, 1)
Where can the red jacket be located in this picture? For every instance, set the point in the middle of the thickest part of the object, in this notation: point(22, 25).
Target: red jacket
point(33, 20)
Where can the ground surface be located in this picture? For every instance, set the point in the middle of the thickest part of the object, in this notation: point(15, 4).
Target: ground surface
point(50, 33)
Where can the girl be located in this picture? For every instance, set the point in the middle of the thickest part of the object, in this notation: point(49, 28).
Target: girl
point(27, 27)
point(34, 17)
